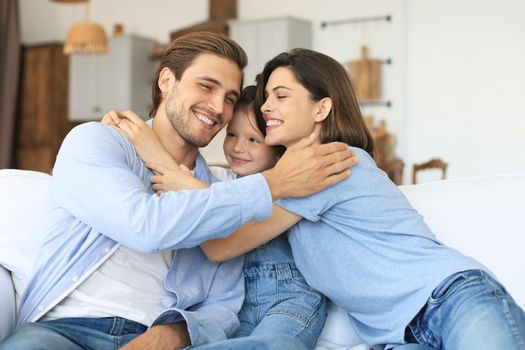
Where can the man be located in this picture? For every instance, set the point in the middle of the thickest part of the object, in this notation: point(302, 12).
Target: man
point(118, 258)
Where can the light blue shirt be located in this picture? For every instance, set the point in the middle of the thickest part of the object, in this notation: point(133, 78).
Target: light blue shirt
point(365, 247)
point(101, 197)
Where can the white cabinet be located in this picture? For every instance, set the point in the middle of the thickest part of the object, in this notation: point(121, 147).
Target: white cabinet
point(262, 40)
point(119, 80)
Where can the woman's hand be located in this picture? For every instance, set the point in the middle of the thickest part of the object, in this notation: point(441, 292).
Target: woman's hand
point(173, 179)
point(142, 137)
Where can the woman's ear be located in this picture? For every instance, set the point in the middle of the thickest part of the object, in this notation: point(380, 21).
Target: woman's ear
point(166, 81)
point(324, 108)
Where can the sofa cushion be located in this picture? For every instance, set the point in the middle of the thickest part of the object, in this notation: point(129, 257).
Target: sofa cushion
point(23, 199)
point(482, 217)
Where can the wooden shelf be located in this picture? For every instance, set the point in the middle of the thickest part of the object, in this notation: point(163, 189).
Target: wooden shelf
point(379, 103)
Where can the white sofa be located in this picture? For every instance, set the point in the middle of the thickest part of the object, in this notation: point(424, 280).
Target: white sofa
point(483, 217)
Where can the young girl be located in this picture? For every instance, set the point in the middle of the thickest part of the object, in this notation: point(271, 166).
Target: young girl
point(278, 300)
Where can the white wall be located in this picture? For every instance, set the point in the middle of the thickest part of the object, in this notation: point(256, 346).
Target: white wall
point(45, 20)
point(466, 85)
point(456, 82)
point(343, 42)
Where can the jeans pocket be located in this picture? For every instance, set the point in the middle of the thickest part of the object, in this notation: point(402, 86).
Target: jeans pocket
point(452, 283)
point(298, 300)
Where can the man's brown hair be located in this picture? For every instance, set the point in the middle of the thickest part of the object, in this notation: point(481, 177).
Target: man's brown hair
point(182, 52)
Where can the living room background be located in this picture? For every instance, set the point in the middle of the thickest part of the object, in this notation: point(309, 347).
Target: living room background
point(456, 81)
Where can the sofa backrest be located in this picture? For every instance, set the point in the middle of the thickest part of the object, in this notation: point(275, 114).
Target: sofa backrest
point(23, 199)
point(482, 217)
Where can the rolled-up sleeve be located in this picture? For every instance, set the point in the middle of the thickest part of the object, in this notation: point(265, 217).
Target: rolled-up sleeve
point(215, 318)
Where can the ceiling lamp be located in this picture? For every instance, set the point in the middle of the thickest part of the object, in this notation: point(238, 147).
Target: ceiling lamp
point(85, 37)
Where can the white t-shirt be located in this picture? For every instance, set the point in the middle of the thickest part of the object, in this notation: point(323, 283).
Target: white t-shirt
point(128, 285)
point(222, 173)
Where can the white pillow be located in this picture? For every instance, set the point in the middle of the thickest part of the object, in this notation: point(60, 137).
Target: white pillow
point(338, 333)
point(23, 200)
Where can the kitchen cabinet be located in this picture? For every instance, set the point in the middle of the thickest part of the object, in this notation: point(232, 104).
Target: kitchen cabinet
point(42, 122)
point(120, 79)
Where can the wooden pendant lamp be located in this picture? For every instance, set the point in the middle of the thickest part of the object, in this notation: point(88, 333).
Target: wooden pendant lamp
point(85, 37)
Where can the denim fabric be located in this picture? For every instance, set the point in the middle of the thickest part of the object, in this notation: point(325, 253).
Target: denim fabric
point(470, 310)
point(256, 342)
point(413, 347)
point(278, 299)
point(74, 333)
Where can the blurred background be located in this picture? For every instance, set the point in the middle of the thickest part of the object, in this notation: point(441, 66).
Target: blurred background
point(437, 79)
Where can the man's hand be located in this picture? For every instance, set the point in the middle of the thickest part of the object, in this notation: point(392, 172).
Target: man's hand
point(308, 167)
point(161, 337)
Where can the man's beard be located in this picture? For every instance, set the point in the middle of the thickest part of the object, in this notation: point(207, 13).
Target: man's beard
point(182, 125)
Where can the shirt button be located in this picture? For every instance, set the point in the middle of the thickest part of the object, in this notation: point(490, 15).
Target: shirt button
point(41, 308)
point(107, 250)
point(75, 278)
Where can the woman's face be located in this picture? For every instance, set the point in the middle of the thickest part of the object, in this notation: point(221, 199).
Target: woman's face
point(288, 110)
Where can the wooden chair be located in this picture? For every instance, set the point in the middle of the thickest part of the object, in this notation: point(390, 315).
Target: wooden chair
point(394, 169)
point(435, 163)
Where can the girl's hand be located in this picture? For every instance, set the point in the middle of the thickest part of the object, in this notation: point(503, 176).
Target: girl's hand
point(142, 137)
point(112, 119)
point(173, 179)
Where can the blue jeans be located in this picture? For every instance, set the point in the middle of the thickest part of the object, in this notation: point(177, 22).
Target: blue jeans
point(113, 333)
point(74, 334)
point(469, 310)
point(278, 299)
point(256, 342)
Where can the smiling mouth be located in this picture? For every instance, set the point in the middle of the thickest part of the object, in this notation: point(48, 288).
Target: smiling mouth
point(273, 123)
point(239, 161)
point(204, 119)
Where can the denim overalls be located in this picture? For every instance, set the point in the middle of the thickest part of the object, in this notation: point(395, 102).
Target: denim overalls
point(278, 299)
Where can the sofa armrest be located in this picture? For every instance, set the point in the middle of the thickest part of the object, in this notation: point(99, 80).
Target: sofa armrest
point(7, 303)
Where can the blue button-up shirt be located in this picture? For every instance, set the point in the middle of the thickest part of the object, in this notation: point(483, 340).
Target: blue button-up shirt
point(101, 197)
point(366, 248)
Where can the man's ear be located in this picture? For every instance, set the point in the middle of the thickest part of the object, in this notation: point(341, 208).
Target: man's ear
point(324, 106)
point(166, 81)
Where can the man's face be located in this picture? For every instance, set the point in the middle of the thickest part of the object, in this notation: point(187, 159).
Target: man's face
point(201, 103)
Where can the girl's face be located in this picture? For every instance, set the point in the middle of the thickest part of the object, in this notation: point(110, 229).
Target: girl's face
point(244, 146)
point(289, 112)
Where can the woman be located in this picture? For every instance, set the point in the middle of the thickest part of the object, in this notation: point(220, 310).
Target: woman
point(360, 242)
